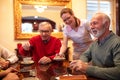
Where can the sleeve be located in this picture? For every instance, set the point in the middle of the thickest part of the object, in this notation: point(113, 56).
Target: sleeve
point(109, 73)
point(8, 55)
point(57, 48)
point(24, 52)
point(65, 32)
point(86, 56)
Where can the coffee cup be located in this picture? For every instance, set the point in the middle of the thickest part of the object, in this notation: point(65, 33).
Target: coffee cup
point(27, 59)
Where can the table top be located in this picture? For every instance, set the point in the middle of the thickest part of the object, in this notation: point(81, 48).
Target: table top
point(57, 70)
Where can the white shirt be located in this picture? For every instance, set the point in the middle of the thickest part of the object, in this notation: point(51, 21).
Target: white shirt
point(80, 38)
point(7, 55)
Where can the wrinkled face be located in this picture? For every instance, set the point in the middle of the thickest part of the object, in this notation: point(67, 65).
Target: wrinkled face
point(45, 32)
point(97, 26)
point(68, 19)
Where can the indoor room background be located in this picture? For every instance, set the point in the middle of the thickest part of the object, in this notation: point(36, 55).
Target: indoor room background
point(7, 21)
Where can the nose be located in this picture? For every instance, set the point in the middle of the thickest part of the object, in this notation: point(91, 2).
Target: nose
point(43, 33)
point(92, 26)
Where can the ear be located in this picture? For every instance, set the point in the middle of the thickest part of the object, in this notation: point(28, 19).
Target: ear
point(107, 24)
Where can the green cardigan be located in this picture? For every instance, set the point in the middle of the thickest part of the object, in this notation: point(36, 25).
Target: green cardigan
point(105, 58)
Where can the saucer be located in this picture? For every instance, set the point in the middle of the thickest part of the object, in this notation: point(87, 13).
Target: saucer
point(59, 59)
point(27, 62)
point(31, 78)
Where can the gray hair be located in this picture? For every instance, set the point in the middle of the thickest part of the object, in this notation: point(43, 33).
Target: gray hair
point(45, 23)
point(104, 16)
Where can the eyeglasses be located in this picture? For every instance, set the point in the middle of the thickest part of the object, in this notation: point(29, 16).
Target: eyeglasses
point(67, 19)
point(44, 31)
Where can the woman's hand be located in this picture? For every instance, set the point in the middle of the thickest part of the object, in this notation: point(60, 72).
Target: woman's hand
point(59, 56)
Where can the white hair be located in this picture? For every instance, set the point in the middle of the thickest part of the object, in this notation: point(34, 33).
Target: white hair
point(45, 24)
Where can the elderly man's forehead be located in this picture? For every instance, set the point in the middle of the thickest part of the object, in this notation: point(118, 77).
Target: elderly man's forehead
point(97, 17)
point(44, 26)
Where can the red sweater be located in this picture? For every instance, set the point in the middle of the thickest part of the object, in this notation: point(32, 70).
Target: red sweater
point(40, 49)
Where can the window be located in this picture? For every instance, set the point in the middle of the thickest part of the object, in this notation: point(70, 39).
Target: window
point(94, 6)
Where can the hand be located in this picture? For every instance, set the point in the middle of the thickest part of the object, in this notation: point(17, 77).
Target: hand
point(11, 69)
point(79, 65)
point(26, 46)
point(11, 76)
point(4, 64)
point(44, 60)
point(59, 55)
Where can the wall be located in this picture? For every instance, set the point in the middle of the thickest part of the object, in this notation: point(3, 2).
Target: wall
point(79, 7)
point(7, 21)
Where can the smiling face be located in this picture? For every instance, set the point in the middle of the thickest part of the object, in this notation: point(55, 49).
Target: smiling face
point(68, 19)
point(99, 25)
point(45, 29)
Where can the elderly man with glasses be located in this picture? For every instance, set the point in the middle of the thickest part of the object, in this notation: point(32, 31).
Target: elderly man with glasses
point(44, 46)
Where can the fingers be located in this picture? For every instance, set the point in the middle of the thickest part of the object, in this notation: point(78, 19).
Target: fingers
point(73, 62)
point(75, 65)
point(11, 69)
point(4, 64)
point(59, 56)
point(26, 46)
point(79, 65)
point(44, 60)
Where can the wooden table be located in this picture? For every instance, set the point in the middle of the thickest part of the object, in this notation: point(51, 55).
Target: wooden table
point(46, 72)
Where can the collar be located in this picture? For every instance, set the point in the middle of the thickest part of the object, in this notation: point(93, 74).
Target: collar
point(46, 41)
point(105, 39)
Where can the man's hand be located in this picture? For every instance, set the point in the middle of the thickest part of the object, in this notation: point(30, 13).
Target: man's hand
point(44, 60)
point(79, 65)
point(26, 46)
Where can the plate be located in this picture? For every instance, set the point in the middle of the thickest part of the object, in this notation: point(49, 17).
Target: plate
point(27, 62)
point(31, 78)
point(59, 59)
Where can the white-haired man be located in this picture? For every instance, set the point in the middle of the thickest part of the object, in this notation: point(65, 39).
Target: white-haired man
point(104, 52)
